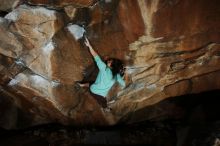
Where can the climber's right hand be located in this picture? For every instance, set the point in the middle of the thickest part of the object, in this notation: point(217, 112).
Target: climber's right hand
point(87, 42)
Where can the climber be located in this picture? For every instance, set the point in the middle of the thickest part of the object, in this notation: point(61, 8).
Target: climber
point(109, 72)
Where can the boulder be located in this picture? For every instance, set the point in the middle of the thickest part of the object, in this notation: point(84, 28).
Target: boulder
point(167, 51)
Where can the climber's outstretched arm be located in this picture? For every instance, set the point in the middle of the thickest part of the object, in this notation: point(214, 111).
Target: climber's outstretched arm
point(91, 50)
point(125, 75)
point(101, 65)
point(126, 78)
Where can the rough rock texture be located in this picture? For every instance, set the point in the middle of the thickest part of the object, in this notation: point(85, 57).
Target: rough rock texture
point(170, 48)
point(63, 3)
point(9, 4)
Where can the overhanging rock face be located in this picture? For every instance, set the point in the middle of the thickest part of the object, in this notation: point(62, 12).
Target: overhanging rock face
point(170, 48)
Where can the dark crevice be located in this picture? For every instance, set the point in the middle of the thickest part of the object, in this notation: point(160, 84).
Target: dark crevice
point(3, 13)
point(82, 17)
point(196, 114)
point(160, 55)
point(143, 71)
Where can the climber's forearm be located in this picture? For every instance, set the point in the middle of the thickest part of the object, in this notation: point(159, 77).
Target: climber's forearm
point(92, 51)
point(126, 79)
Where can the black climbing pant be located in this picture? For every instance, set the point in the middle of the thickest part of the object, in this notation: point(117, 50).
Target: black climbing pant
point(100, 99)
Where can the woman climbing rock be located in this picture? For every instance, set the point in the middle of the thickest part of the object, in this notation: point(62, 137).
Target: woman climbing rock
point(110, 72)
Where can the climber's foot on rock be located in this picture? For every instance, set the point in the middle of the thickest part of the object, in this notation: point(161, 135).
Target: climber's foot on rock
point(106, 110)
point(76, 85)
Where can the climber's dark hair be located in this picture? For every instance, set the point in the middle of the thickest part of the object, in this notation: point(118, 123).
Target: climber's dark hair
point(117, 66)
